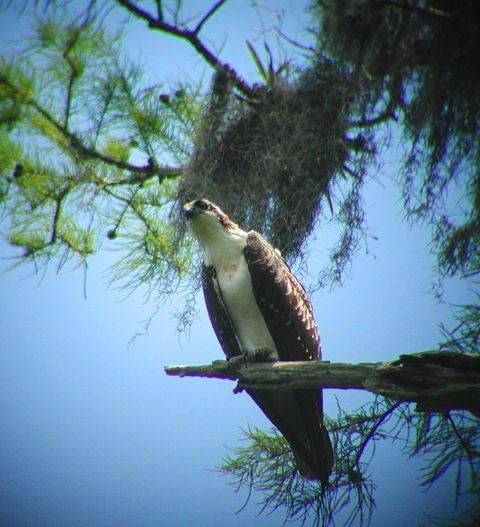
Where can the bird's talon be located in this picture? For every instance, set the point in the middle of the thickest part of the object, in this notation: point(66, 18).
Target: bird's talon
point(264, 355)
point(236, 361)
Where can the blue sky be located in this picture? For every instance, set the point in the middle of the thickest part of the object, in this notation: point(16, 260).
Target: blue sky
point(93, 433)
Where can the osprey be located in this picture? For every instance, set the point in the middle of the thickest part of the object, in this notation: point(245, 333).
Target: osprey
point(258, 308)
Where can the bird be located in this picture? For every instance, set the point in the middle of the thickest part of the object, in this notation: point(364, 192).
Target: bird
point(259, 310)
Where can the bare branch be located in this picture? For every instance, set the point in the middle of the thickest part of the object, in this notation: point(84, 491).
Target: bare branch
point(209, 14)
point(384, 116)
point(437, 380)
point(191, 36)
point(372, 432)
point(269, 375)
point(299, 45)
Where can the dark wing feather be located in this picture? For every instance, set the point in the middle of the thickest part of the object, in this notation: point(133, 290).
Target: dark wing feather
point(218, 313)
point(298, 416)
point(296, 413)
point(288, 313)
point(283, 302)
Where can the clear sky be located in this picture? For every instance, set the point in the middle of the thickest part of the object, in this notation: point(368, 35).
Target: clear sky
point(93, 433)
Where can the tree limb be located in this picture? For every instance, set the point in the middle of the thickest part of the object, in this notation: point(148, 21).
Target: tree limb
point(371, 433)
point(57, 214)
point(436, 380)
point(207, 16)
point(138, 173)
point(191, 36)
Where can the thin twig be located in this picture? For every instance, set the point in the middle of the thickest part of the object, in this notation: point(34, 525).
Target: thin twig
point(209, 14)
point(56, 216)
point(192, 38)
point(71, 82)
point(371, 433)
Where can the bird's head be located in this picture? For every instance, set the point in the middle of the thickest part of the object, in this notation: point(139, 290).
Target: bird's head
point(209, 224)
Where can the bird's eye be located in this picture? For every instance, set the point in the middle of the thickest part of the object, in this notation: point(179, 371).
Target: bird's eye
point(201, 204)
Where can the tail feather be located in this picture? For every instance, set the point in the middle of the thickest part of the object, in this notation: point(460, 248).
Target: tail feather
point(317, 462)
point(298, 415)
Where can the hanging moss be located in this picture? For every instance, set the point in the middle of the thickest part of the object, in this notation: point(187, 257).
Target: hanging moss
point(270, 163)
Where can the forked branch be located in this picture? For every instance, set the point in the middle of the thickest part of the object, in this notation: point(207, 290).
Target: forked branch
point(192, 37)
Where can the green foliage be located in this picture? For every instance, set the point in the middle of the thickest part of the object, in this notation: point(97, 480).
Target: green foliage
point(151, 257)
point(89, 155)
point(264, 463)
point(92, 156)
point(415, 62)
point(85, 143)
point(270, 75)
point(465, 337)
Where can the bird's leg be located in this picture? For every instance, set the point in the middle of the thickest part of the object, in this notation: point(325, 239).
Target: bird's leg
point(264, 355)
point(237, 361)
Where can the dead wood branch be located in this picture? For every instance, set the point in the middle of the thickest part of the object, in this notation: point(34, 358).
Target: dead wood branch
point(437, 381)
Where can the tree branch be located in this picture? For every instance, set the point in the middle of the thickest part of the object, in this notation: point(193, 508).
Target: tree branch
point(436, 380)
point(191, 36)
point(207, 16)
point(68, 104)
point(139, 173)
point(384, 116)
point(371, 433)
point(57, 214)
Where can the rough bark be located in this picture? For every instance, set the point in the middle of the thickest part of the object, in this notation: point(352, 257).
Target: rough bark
point(437, 381)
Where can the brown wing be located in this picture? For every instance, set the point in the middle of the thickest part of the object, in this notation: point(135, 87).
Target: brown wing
point(219, 316)
point(283, 302)
point(288, 313)
point(296, 413)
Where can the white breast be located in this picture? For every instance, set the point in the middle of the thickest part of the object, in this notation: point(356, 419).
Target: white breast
point(236, 287)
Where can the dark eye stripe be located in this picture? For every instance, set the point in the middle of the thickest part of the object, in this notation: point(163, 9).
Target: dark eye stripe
point(202, 204)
